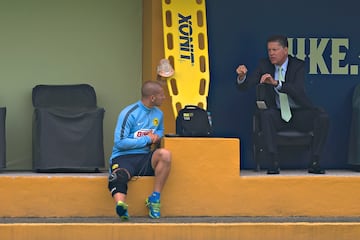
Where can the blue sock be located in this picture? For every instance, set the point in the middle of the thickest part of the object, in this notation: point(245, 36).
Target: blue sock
point(155, 197)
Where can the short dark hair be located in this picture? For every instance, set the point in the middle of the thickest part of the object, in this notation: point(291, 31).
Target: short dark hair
point(150, 88)
point(280, 39)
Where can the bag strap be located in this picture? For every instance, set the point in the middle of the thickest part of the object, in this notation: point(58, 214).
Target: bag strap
point(191, 107)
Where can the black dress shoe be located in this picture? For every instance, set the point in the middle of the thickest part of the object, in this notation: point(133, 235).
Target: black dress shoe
point(315, 168)
point(274, 169)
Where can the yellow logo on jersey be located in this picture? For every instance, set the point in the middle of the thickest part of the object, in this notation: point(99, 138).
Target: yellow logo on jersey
point(156, 121)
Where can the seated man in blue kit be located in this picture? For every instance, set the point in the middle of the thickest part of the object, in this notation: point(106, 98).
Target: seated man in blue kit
point(289, 106)
point(140, 127)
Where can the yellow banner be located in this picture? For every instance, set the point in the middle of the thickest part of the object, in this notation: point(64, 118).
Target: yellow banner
point(186, 47)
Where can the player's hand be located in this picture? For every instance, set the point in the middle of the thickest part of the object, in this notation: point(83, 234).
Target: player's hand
point(154, 137)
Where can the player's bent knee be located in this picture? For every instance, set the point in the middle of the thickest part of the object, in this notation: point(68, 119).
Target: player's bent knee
point(118, 181)
point(164, 155)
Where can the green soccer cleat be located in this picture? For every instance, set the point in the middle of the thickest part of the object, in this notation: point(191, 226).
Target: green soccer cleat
point(154, 208)
point(121, 210)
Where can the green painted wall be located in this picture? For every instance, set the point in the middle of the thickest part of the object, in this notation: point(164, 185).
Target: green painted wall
point(66, 42)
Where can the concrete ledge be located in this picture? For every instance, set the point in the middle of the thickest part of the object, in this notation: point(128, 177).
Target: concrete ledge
point(152, 231)
point(205, 181)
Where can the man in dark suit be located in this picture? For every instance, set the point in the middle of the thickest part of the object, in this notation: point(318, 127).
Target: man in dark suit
point(283, 77)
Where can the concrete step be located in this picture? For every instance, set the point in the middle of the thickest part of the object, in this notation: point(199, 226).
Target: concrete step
point(217, 228)
point(206, 197)
point(205, 180)
point(179, 220)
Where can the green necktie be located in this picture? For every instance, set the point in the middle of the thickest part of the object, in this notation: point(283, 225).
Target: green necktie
point(284, 102)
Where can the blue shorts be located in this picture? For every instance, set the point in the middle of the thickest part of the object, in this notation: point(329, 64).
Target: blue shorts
point(135, 164)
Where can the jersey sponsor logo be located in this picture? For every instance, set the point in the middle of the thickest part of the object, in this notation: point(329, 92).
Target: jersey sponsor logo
point(142, 132)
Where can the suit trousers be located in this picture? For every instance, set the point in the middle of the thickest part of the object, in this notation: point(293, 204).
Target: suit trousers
point(303, 120)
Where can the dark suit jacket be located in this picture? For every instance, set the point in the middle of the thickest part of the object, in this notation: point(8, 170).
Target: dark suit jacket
point(293, 85)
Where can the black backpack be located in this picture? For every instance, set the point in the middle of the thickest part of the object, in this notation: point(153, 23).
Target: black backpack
point(193, 121)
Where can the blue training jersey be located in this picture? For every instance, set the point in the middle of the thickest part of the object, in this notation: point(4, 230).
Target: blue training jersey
point(133, 125)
